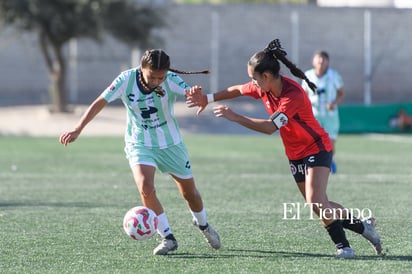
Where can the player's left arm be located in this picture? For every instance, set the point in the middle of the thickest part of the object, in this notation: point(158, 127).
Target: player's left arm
point(259, 125)
point(340, 93)
point(196, 98)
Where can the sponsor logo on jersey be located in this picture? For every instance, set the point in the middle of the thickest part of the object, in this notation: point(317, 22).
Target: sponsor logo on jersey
point(146, 112)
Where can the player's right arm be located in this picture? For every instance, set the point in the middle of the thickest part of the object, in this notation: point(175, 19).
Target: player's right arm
point(195, 97)
point(91, 112)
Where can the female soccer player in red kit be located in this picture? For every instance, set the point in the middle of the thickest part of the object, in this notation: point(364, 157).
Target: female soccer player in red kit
point(307, 145)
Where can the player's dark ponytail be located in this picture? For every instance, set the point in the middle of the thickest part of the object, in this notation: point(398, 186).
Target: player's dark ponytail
point(275, 49)
point(158, 59)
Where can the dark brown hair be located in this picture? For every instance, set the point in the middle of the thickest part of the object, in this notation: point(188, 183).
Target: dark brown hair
point(323, 54)
point(157, 59)
point(267, 60)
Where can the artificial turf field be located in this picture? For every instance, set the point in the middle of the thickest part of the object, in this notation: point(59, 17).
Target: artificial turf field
point(61, 209)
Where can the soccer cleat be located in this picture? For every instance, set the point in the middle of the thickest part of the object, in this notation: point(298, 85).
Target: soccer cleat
point(211, 236)
point(345, 253)
point(165, 247)
point(371, 235)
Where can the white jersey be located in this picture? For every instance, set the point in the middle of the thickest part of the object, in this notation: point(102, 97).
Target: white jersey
point(150, 118)
point(327, 91)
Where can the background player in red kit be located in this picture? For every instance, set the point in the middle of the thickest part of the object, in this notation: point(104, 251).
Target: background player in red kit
point(307, 145)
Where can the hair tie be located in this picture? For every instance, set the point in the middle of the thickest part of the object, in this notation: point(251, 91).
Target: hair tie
point(275, 48)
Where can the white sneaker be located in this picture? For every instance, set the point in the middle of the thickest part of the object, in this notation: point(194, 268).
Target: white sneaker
point(211, 236)
point(345, 253)
point(371, 235)
point(165, 246)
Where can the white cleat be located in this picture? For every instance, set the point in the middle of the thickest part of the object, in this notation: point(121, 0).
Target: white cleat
point(345, 253)
point(371, 235)
point(211, 236)
point(165, 247)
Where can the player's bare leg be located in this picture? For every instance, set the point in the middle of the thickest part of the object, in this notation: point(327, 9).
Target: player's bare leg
point(194, 201)
point(144, 178)
point(315, 192)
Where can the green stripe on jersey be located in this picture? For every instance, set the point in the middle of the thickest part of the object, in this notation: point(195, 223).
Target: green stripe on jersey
point(150, 118)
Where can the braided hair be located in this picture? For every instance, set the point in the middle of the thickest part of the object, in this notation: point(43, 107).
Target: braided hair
point(267, 60)
point(157, 59)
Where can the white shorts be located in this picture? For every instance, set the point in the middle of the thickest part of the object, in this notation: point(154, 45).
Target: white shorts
point(331, 125)
point(173, 160)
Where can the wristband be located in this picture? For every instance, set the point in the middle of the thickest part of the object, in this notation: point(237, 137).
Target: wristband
point(210, 98)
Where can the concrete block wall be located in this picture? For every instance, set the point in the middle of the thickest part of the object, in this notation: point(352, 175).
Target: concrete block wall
point(242, 30)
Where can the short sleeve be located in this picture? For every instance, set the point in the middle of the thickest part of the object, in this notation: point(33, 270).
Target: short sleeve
point(116, 88)
point(250, 89)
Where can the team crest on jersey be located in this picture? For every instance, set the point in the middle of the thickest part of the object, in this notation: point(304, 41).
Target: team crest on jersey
point(293, 169)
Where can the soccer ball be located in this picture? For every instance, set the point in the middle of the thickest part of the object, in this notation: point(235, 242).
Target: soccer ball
point(140, 223)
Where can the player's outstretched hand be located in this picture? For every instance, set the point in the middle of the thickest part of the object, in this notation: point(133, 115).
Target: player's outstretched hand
point(68, 137)
point(224, 111)
point(196, 98)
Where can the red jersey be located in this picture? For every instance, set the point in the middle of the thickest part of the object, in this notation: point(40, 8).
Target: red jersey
point(302, 136)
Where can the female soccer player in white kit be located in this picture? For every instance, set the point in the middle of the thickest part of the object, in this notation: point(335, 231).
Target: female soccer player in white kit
point(328, 96)
point(153, 139)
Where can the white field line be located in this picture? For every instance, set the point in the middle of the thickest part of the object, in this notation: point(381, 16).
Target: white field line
point(390, 138)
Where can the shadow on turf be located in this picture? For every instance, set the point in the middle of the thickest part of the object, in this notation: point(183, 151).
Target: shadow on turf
point(267, 254)
point(246, 254)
